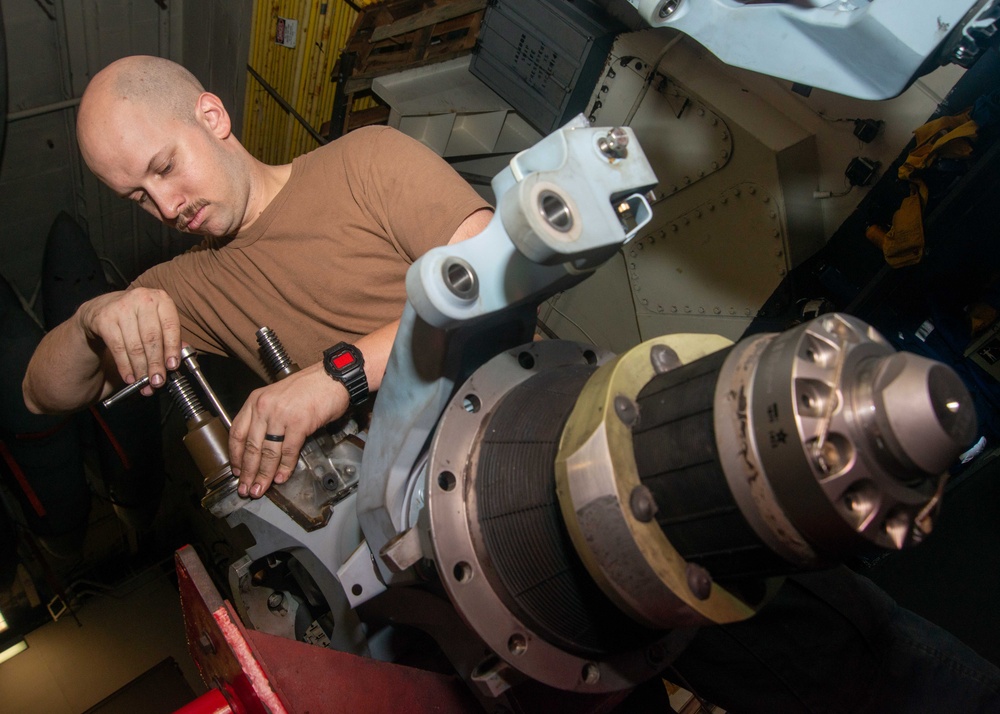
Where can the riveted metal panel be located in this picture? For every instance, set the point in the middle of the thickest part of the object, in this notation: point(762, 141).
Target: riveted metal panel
point(720, 259)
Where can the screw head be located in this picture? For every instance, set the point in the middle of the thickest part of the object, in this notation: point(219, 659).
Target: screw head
point(699, 581)
point(662, 357)
point(642, 503)
point(627, 410)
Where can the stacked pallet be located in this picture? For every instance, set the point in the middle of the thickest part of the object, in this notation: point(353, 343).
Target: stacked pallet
point(392, 36)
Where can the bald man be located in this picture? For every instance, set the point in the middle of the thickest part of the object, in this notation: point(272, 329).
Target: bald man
point(316, 249)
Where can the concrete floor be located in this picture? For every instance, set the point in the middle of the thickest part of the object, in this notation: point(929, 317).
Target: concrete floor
point(68, 668)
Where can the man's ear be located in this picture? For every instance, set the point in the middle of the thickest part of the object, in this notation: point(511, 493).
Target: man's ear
point(212, 112)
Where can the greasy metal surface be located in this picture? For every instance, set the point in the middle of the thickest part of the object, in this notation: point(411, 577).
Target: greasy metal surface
point(741, 463)
point(325, 474)
point(452, 517)
point(690, 266)
point(596, 473)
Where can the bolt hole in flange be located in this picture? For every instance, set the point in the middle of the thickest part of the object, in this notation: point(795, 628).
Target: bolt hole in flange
point(818, 351)
point(462, 572)
point(471, 403)
point(591, 673)
point(517, 644)
point(447, 481)
point(668, 8)
point(526, 360)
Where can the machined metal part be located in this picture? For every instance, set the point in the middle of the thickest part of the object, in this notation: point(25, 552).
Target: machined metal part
point(870, 49)
point(852, 438)
point(741, 463)
point(359, 576)
point(318, 552)
point(470, 301)
point(329, 462)
point(460, 539)
point(126, 392)
point(273, 354)
point(619, 540)
point(978, 28)
point(190, 360)
point(207, 440)
point(614, 145)
point(325, 474)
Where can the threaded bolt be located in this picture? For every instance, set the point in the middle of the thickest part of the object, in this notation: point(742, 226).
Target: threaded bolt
point(184, 394)
point(273, 354)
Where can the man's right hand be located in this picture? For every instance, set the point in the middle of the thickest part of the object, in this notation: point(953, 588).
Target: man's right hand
point(139, 328)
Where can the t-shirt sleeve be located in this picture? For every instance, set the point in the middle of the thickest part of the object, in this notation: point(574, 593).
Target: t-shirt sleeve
point(418, 198)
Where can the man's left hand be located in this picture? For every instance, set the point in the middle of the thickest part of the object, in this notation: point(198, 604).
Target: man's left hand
point(269, 431)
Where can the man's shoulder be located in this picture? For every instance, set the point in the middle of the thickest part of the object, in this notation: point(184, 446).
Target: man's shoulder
point(368, 139)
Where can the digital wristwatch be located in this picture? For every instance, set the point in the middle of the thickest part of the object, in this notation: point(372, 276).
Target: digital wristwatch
point(345, 364)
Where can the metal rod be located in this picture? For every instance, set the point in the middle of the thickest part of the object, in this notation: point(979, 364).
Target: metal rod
point(286, 106)
point(188, 355)
point(126, 392)
point(45, 109)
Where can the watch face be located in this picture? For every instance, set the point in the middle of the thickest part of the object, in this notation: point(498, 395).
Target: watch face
point(343, 360)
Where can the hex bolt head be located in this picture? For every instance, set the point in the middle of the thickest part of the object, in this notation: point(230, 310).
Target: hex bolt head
point(627, 410)
point(656, 655)
point(275, 600)
point(643, 505)
point(615, 144)
point(699, 581)
point(205, 643)
point(663, 358)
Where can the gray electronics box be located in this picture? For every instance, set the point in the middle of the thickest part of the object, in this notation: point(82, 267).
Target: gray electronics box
point(544, 56)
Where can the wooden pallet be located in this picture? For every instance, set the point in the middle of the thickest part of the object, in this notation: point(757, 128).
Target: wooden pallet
point(395, 35)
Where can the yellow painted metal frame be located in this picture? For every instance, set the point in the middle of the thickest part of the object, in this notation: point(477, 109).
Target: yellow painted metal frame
point(301, 75)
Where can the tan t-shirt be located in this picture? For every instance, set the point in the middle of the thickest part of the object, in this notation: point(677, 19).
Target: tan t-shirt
point(326, 261)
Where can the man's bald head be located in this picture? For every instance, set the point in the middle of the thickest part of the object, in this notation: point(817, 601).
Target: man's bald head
point(156, 83)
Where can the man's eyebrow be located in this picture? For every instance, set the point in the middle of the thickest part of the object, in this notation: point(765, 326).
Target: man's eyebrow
point(153, 160)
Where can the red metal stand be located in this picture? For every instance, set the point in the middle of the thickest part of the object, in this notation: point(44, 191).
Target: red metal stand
point(255, 673)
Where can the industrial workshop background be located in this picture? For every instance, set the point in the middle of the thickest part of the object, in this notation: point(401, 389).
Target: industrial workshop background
point(311, 64)
point(299, 70)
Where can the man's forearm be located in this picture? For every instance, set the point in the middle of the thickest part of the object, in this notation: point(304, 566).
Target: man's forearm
point(66, 372)
point(376, 347)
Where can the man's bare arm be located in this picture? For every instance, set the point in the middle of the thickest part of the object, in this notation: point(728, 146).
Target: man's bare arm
point(301, 403)
point(114, 338)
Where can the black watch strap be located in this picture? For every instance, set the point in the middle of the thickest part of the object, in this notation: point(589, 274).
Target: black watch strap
point(346, 364)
